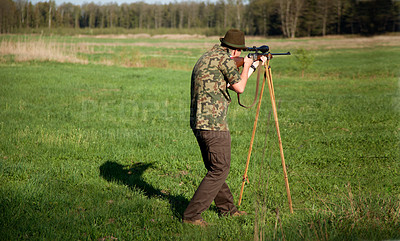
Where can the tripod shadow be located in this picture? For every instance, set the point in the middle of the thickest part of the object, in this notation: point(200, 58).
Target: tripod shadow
point(132, 177)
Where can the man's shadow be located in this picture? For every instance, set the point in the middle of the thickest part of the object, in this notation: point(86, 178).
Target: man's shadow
point(132, 177)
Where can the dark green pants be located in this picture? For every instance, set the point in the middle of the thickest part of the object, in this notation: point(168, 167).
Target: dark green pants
point(215, 148)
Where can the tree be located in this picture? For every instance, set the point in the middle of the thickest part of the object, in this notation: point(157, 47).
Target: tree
point(157, 13)
point(339, 11)
point(112, 14)
point(29, 14)
point(7, 16)
point(290, 11)
point(308, 25)
point(89, 15)
point(238, 14)
point(395, 19)
point(20, 8)
point(258, 16)
point(52, 7)
point(324, 10)
point(124, 16)
point(77, 14)
point(66, 15)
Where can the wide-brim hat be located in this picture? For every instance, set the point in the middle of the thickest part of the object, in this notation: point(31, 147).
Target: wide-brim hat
point(234, 38)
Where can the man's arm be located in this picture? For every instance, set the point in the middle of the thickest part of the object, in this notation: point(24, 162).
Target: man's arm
point(248, 72)
point(241, 85)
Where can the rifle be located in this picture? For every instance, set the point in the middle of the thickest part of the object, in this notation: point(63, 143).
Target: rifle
point(258, 52)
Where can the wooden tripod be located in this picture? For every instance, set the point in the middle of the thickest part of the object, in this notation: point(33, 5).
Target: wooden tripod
point(268, 77)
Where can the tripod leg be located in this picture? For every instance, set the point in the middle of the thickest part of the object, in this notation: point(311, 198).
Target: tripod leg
point(272, 94)
point(251, 141)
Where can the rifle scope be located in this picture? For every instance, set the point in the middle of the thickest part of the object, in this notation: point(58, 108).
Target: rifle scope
point(263, 49)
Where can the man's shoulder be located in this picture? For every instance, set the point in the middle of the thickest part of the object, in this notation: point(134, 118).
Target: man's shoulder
point(214, 57)
point(217, 51)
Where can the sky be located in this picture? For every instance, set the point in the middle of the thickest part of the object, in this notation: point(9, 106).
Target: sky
point(119, 2)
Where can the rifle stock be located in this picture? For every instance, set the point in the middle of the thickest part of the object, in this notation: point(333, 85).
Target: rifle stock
point(239, 61)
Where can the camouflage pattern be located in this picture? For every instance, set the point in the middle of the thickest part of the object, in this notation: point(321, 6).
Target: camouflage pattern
point(209, 95)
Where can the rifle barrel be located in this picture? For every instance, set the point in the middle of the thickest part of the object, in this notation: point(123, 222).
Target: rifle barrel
point(288, 53)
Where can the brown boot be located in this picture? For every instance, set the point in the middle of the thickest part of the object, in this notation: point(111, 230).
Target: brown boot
point(198, 222)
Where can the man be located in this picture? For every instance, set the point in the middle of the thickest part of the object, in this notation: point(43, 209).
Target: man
point(213, 73)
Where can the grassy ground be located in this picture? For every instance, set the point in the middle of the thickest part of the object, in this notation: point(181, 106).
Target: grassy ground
point(99, 151)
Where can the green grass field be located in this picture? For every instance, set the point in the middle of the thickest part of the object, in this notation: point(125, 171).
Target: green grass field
point(101, 151)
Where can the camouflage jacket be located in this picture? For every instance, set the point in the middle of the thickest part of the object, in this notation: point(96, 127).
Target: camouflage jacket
point(209, 94)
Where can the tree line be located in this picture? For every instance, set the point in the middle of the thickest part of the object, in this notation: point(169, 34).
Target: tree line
point(288, 18)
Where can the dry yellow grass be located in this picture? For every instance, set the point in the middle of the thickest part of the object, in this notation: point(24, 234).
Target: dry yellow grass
point(47, 50)
point(40, 50)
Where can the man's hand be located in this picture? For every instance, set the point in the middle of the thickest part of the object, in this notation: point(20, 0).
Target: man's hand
point(255, 64)
point(263, 59)
point(247, 62)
